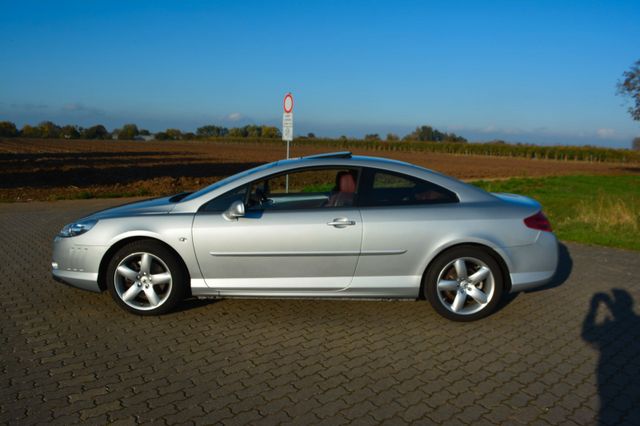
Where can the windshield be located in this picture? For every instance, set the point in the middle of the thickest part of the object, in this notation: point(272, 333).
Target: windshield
point(226, 181)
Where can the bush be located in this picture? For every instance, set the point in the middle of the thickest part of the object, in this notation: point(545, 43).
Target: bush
point(96, 132)
point(128, 132)
point(8, 129)
point(29, 131)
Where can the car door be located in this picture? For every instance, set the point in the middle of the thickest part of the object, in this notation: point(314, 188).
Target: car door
point(295, 236)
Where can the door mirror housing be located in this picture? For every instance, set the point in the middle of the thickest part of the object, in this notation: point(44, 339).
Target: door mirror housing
point(235, 210)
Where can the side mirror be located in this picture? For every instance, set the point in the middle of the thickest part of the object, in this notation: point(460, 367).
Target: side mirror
point(235, 210)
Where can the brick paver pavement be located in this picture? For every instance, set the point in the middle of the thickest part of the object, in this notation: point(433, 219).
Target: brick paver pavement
point(70, 356)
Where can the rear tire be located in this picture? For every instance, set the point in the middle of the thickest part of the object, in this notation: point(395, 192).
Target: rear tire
point(464, 283)
point(146, 278)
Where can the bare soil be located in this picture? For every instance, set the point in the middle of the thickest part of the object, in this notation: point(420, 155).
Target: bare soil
point(32, 169)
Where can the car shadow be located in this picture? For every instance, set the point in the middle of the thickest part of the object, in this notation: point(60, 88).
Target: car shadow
point(193, 303)
point(612, 327)
point(562, 274)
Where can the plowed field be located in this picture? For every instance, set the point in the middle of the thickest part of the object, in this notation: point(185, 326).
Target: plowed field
point(56, 169)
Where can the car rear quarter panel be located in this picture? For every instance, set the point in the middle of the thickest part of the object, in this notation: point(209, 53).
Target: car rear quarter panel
point(425, 231)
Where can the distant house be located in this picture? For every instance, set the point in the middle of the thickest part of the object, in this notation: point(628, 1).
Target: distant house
point(136, 138)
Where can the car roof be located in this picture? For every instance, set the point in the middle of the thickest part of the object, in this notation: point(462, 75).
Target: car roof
point(340, 154)
point(344, 155)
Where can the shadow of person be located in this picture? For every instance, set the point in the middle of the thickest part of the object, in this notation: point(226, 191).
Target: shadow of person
point(612, 327)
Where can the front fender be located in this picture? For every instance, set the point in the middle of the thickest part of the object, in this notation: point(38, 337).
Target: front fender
point(172, 230)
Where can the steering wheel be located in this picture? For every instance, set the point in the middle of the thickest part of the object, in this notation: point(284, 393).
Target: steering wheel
point(263, 200)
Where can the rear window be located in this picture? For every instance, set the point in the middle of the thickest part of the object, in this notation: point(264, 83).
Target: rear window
point(384, 188)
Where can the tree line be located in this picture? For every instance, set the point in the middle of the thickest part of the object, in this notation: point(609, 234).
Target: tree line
point(448, 143)
point(50, 130)
point(421, 134)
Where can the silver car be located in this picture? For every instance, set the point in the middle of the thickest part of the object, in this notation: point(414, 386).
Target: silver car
point(325, 226)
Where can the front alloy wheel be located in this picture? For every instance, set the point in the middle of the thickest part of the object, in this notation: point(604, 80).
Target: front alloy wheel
point(145, 278)
point(464, 284)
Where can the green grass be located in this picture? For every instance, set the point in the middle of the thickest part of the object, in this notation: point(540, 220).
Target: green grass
point(603, 210)
point(319, 187)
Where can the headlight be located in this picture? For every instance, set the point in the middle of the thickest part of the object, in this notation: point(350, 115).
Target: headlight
point(77, 228)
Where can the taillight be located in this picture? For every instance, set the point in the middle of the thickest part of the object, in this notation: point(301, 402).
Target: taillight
point(539, 222)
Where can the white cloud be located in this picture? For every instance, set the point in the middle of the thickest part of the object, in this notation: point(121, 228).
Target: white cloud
point(234, 116)
point(605, 133)
point(495, 129)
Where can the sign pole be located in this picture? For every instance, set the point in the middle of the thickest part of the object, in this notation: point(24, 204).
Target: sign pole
point(286, 178)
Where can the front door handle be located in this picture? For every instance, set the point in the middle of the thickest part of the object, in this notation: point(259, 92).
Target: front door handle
point(341, 222)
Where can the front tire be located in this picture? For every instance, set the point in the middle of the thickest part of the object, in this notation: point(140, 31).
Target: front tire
point(465, 283)
point(146, 278)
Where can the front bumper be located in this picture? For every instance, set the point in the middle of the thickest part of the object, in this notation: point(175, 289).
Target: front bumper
point(83, 280)
point(76, 264)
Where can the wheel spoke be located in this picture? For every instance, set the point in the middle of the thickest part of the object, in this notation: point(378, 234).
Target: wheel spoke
point(482, 274)
point(145, 263)
point(461, 268)
point(458, 302)
point(447, 285)
point(127, 272)
point(477, 294)
point(163, 278)
point(152, 296)
point(131, 293)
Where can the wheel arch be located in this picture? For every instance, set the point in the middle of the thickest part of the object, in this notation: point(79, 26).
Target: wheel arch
point(104, 262)
point(498, 257)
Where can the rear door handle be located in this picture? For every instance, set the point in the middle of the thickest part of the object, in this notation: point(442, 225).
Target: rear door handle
point(341, 222)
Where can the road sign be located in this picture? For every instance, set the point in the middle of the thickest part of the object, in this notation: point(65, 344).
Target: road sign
point(287, 120)
point(288, 103)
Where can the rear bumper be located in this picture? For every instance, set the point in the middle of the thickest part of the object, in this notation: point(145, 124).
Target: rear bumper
point(535, 264)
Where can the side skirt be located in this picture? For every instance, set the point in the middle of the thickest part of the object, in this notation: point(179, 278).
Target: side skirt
point(395, 287)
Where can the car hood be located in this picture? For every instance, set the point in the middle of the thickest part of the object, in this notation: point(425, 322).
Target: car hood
point(162, 205)
point(519, 200)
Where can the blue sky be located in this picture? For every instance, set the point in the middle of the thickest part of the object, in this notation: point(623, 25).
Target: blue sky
point(540, 72)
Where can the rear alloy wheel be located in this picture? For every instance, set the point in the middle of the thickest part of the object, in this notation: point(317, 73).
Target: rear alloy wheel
point(464, 284)
point(145, 278)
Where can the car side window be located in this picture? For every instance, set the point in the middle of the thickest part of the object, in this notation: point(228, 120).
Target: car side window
point(387, 181)
point(305, 189)
point(384, 188)
point(222, 202)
